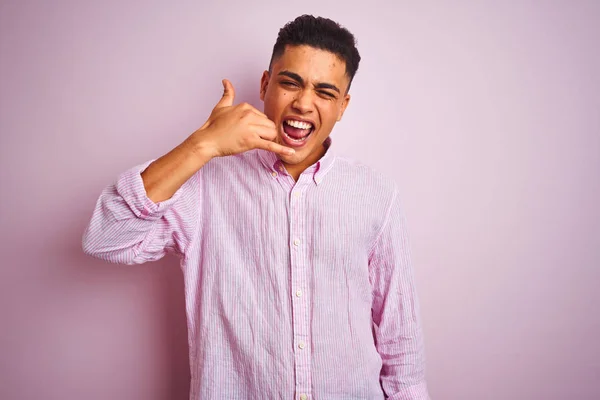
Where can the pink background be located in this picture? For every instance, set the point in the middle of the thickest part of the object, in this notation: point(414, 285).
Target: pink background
point(486, 113)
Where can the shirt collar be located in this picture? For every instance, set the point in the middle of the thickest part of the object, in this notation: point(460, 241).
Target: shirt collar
point(318, 170)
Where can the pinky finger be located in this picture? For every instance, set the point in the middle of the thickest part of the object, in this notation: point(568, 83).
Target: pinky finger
point(274, 147)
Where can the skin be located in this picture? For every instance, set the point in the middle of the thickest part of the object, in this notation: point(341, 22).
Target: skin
point(308, 84)
point(304, 83)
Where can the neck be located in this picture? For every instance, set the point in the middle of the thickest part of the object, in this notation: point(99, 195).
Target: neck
point(295, 170)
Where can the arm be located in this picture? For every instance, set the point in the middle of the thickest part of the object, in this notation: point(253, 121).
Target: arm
point(155, 208)
point(396, 319)
point(127, 227)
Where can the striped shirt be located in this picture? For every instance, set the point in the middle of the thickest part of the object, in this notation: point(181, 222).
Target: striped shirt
point(293, 290)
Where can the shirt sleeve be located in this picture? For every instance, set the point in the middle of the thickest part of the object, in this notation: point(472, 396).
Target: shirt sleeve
point(128, 228)
point(397, 326)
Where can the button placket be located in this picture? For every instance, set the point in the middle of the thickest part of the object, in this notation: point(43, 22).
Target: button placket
point(299, 271)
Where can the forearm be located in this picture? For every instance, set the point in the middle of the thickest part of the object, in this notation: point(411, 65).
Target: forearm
point(167, 174)
point(403, 370)
point(414, 392)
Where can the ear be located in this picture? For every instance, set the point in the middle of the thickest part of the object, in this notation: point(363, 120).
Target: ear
point(264, 83)
point(345, 102)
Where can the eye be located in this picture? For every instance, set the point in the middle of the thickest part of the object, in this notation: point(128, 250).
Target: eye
point(289, 83)
point(327, 94)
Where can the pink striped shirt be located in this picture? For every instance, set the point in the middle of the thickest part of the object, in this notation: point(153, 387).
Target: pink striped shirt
point(294, 290)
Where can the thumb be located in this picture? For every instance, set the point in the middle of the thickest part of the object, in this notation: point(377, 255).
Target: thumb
point(228, 95)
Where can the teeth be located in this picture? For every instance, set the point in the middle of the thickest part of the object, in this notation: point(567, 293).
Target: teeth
point(298, 124)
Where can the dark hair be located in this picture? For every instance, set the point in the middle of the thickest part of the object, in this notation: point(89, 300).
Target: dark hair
point(321, 33)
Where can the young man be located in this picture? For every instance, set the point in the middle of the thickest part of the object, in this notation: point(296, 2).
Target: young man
point(298, 280)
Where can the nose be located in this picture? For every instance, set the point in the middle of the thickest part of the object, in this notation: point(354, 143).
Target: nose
point(303, 103)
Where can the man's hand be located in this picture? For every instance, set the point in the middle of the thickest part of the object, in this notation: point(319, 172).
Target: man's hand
point(229, 130)
point(235, 129)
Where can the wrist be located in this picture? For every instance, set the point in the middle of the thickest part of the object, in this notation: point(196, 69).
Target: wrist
point(201, 148)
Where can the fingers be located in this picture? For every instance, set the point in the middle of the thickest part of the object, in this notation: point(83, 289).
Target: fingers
point(264, 130)
point(274, 147)
point(257, 119)
point(254, 110)
point(262, 121)
point(228, 95)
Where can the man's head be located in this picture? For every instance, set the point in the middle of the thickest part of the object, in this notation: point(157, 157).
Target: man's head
point(305, 90)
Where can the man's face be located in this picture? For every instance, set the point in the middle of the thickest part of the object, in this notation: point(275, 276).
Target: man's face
point(305, 95)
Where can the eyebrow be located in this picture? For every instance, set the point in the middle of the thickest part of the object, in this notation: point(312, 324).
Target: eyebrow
point(298, 78)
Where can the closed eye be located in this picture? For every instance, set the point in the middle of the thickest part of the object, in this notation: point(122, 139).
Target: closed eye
point(331, 95)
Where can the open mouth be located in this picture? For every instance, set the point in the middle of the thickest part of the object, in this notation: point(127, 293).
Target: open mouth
point(296, 133)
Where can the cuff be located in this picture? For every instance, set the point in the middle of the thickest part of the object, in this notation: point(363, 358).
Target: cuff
point(130, 187)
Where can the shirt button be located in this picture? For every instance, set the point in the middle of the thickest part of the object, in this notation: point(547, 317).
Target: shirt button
point(303, 397)
point(301, 345)
point(274, 173)
point(298, 293)
point(296, 242)
point(296, 194)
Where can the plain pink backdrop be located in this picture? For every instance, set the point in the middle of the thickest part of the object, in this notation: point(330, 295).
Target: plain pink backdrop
point(486, 113)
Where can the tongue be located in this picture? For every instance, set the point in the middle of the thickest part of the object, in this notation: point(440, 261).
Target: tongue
point(296, 133)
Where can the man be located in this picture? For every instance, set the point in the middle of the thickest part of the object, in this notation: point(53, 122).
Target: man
point(298, 280)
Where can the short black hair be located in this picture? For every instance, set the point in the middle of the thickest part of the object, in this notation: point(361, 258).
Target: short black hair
point(320, 33)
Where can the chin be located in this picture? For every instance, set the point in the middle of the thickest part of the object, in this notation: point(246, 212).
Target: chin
point(291, 160)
